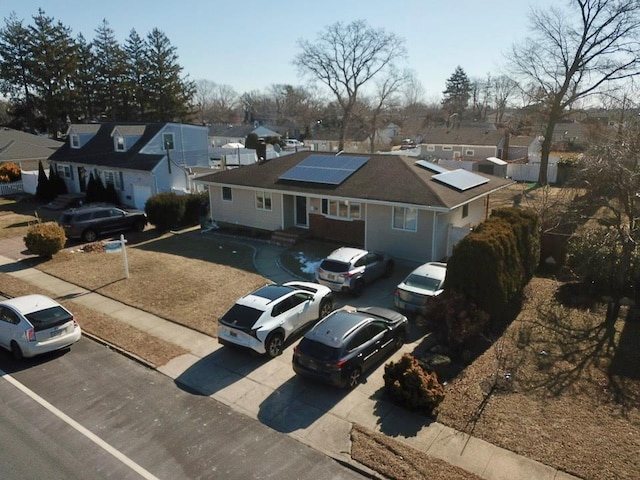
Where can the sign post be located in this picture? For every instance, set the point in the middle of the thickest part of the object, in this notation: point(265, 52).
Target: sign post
point(116, 246)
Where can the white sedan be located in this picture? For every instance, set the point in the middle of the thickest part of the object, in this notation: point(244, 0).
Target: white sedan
point(35, 324)
point(264, 319)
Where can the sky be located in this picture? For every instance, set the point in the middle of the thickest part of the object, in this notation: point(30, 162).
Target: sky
point(250, 44)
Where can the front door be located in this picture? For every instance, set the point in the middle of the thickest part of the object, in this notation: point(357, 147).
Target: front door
point(301, 211)
point(82, 178)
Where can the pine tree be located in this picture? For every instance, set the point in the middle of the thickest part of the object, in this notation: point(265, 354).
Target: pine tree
point(168, 95)
point(456, 95)
point(42, 189)
point(109, 70)
point(135, 77)
point(85, 82)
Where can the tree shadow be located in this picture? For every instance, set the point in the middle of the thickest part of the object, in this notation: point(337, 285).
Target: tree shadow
point(398, 421)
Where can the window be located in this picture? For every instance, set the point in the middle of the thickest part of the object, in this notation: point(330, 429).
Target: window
point(64, 171)
point(446, 148)
point(341, 209)
point(468, 152)
point(9, 316)
point(167, 141)
point(263, 200)
point(405, 218)
point(120, 143)
point(226, 194)
point(75, 140)
point(465, 210)
point(113, 178)
point(431, 148)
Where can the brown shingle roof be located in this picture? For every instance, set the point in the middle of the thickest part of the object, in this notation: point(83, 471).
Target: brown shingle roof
point(462, 136)
point(384, 178)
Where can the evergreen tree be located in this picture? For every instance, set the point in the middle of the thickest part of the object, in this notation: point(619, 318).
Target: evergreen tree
point(111, 195)
point(42, 189)
point(109, 69)
point(85, 82)
point(55, 59)
point(456, 95)
point(135, 76)
point(168, 95)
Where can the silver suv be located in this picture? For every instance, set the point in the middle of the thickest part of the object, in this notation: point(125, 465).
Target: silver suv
point(349, 269)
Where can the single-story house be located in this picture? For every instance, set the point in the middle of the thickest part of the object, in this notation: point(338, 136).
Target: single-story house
point(413, 210)
point(25, 149)
point(138, 159)
point(220, 135)
point(463, 143)
point(522, 148)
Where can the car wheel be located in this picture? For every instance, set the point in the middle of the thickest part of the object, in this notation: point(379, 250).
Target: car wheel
point(326, 307)
point(358, 288)
point(89, 235)
point(139, 226)
point(354, 378)
point(401, 339)
point(16, 351)
point(274, 345)
point(388, 270)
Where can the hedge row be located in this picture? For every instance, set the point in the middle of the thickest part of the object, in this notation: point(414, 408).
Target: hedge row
point(169, 210)
point(492, 265)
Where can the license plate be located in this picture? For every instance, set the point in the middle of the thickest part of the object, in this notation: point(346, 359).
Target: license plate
point(55, 333)
point(311, 365)
point(232, 333)
point(332, 277)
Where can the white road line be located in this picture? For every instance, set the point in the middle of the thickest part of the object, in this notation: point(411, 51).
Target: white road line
point(71, 422)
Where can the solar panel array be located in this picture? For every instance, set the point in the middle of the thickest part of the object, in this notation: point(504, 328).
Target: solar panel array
point(434, 167)
point(328, 169)
point(460, 179)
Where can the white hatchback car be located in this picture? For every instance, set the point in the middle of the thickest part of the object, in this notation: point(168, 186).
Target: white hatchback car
point(422, 284)
point(35, 324)
point(264, 319)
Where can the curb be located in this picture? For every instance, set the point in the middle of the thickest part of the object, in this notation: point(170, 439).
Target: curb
point(120, 350)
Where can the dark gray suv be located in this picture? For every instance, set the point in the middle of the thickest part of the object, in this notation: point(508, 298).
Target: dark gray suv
point(90, 221)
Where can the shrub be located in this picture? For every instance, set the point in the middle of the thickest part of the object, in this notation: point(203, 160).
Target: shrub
point(195, 207)
point(43, 190)
point(165, 210)
point(9, 172)
point(45, 239)
point(410, 385)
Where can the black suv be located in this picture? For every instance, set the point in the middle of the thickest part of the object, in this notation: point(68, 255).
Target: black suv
point(90, 221)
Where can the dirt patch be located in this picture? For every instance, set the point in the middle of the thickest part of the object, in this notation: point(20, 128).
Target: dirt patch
point(150, 349)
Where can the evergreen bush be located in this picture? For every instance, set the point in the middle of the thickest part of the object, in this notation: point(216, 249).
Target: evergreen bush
point(165, 210)
point(45, 239)
point(195, 205)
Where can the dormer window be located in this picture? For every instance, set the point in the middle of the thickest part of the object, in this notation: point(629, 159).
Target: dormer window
point(167, 141)
point(119, 143)
point(75, 140)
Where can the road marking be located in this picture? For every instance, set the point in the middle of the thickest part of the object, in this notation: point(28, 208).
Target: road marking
point(87, 433)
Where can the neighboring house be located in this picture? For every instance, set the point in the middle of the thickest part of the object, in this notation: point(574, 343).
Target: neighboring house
point(25, 149)
point(522, 148)
point(570, 134)
point(223, 134)
point(382, 202)
point(464, 143)
point(139, 160)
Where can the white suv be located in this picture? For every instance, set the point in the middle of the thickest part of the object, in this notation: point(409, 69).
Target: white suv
point(264, 319)
point(349, 269)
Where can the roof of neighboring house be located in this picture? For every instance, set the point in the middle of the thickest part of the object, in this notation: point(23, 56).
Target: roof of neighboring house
point(521, 140)
point(462, 136)
point(17, 146)
point(85, 127)
point(385, 178)
point(569, 131)
point(241, 131)
point(99, 149)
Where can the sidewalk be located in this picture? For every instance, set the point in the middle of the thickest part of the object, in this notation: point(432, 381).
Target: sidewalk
point(269, 391)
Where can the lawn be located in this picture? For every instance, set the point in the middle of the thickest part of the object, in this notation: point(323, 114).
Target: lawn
point(557, 386)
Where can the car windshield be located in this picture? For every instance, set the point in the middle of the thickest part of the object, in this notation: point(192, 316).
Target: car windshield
point(318, 351)
point(425, 283)
point(49, 318)
point(334, 266)
point(241, 317)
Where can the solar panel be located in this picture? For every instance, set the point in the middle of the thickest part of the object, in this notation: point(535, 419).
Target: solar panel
point(460, 179)
point(434, 167)
point(327, 169)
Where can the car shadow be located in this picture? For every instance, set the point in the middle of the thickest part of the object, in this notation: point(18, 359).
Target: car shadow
point(10, 365)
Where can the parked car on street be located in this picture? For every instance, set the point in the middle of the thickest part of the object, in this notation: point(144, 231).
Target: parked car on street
point(340, 348)
point(267, 317)
point(350, 269)
point(35, 324)
point(93, 220)
point(421, 285)
point(292, 144)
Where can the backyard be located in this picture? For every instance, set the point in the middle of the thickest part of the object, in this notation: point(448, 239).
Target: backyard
point(558, 385)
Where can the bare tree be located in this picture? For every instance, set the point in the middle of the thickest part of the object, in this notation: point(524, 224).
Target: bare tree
point(203, 97)
point(503, 89)
point(345, 58)
point(575, 54)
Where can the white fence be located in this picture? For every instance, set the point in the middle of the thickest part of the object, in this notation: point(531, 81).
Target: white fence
point(11, 188)
point(528, 172)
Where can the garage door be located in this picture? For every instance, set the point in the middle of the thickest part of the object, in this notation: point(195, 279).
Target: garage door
point(140, 195)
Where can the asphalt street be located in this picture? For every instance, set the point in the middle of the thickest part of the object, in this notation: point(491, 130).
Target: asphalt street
point(91, 413)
